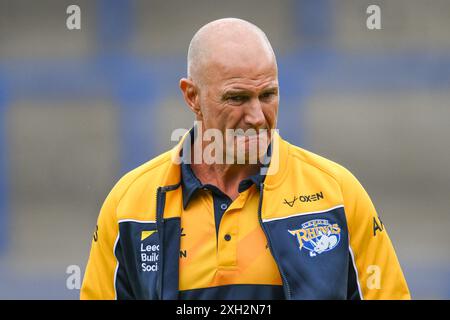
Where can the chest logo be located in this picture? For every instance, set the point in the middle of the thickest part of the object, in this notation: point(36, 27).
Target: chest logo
point(146, 234)
point(317, 236)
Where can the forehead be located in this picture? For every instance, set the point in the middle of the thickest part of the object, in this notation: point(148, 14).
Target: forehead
point(242, 65)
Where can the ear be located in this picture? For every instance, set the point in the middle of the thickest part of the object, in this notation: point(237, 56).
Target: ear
point(191, 95)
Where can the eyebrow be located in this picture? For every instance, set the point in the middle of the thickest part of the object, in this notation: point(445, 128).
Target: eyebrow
point(233, 92)
point(271, 89)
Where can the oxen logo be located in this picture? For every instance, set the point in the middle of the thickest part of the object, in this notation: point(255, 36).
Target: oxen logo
point(317, 236)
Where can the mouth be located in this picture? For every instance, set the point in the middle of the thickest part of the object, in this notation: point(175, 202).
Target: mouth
point(251, 133)
point(246, 135)
point(252, 138)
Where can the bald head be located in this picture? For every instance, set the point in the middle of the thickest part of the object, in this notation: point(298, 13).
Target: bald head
point(232, 80)
point(223, 40)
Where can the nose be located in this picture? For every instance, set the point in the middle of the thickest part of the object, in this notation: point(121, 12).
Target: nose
point(254, 115)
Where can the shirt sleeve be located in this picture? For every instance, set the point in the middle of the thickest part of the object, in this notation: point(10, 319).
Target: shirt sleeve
point(100, 275)
point(377, 270)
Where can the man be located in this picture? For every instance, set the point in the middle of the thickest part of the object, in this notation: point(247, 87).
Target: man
point(297, 227)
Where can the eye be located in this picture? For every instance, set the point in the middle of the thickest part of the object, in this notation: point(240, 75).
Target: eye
point(267, 95)
point(237, 99)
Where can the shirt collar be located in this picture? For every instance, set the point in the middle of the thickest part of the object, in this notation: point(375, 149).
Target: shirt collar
point(189, 183)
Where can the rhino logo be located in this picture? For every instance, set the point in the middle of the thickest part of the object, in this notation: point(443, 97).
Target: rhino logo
point(317, 236)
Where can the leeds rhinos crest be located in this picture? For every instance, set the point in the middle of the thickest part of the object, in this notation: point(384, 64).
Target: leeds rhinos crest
point(317, 236)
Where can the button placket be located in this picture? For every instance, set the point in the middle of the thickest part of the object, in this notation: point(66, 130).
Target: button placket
point(227, 240)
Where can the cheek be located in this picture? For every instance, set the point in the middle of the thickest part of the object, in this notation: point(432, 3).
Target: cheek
point(270, 113)
point(208, 108)
point(227, 118)
point(213, 113)
point(220, 115)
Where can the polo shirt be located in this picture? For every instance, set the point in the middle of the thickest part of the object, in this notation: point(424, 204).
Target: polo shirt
point(322, 229)
point(223, 249)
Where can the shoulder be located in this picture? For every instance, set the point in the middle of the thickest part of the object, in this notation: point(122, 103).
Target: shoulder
point(333, 177)
point(337, 181)
point(150, 172)
point(316, 164)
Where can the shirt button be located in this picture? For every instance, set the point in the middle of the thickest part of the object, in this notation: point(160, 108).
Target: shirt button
point(223, 206)
point(227, 237)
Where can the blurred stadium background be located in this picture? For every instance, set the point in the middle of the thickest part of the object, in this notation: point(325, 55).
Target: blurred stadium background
point(80, 108)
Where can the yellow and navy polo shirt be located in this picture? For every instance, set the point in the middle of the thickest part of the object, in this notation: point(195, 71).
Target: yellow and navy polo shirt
point(222, 244)
point(310, 229)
